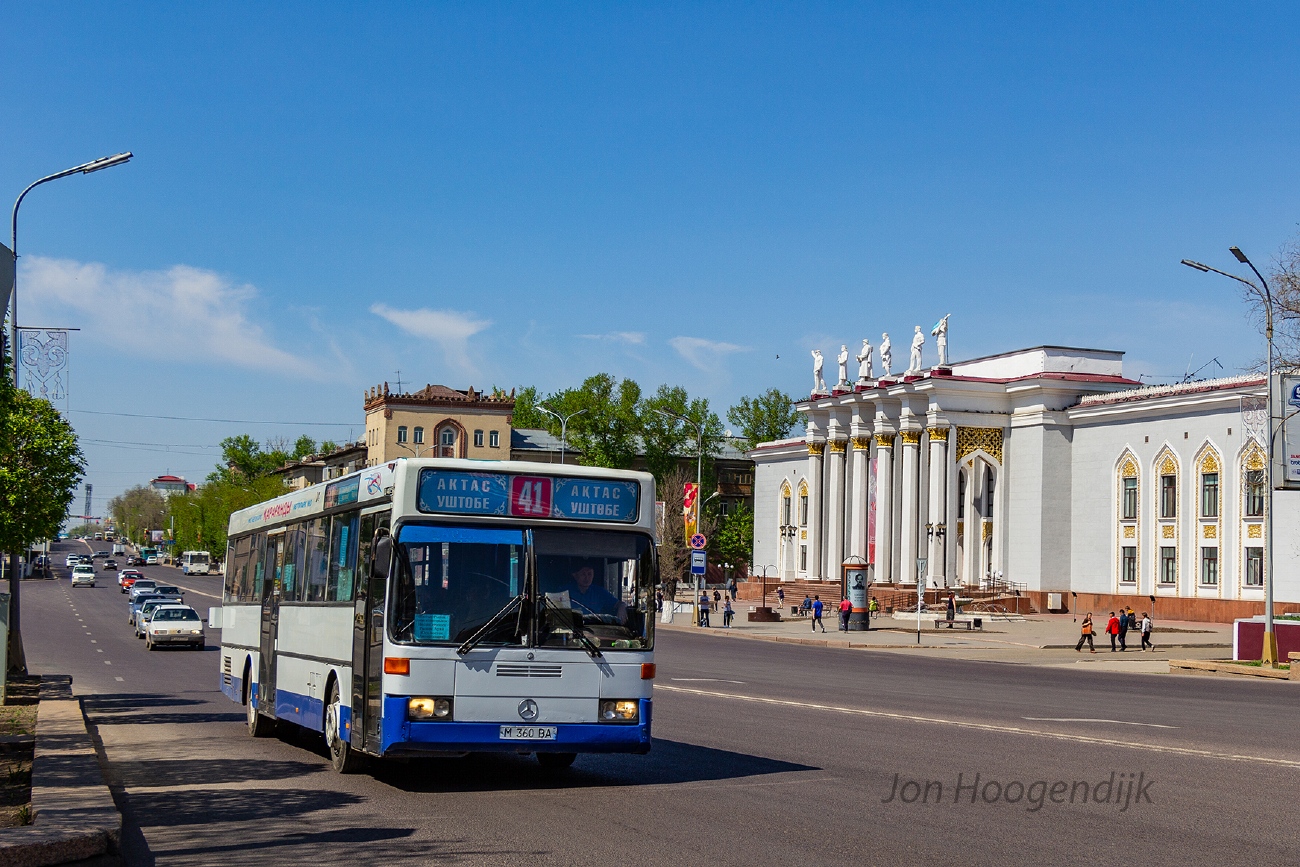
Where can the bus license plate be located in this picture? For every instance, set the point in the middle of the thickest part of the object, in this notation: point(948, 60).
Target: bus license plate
point(528, 733)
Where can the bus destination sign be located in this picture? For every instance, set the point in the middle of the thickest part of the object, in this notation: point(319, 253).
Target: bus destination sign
point(519, 496)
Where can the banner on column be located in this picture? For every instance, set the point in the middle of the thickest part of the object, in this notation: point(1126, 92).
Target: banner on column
point(691, 508)
point(43, 358)
point(871, 512)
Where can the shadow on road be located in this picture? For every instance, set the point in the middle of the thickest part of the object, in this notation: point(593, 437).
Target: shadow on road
point(139, 709)
point(668, 762)
point(207, 772)
point(201, 807)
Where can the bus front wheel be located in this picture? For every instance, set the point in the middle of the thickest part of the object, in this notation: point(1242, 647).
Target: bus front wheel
point(343, 758)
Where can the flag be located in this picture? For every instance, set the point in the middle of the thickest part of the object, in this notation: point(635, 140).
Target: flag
point(691, 508)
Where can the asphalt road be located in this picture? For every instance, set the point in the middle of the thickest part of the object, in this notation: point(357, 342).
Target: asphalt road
point(764, 754)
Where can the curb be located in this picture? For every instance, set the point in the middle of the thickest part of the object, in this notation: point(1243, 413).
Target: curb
point(74, 814)
point(815, 642)
point(1227, 669)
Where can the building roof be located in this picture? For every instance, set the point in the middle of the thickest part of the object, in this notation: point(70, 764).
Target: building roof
point(1148, 392)
point(439, 395)
point(168, 479)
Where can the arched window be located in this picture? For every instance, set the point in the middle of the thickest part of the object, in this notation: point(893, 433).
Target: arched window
point(447, 441)
point(1127, 509)
point(785, 504)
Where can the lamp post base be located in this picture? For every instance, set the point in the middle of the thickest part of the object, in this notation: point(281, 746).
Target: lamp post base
point(1268, 655)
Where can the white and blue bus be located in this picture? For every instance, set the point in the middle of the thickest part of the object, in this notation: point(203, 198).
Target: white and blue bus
point(439, 606)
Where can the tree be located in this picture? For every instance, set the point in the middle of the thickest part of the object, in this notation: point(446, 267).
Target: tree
point(526, 414)
point(40, 466)
point(303, 447)
point(667, 440)
point(733, 541)
point(203, 515)
point(770, 416)
point(137, 510)
point(244, 459)
point(674, 555)
point(606, 432)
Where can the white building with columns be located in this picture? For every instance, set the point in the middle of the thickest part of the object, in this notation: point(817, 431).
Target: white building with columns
point(1044, 467)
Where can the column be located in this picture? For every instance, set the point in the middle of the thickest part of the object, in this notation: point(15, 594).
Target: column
point(835, 510)
point(860, 467)
point(938, 502)
point(909, 501)
point(884, 507)
point(814, 540)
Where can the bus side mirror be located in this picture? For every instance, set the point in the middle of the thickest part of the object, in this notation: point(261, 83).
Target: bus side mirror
point(381, 556)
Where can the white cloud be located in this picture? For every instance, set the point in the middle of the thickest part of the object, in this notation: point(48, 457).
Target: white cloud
point(182, 312)
point(450, 329)
point(704, 354)
point(632, 338)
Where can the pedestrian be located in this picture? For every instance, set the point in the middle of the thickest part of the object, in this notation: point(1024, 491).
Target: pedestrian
point(1085, 634)
point(806, 605)
point(1112, 629)
point(780, 598)
point(873, 608)
point(1146, 632)
point(704, 608)
point(717, 597)
point(1124, 623)
point(952, 608)
point(727, 613)
point(659, 601)
point(846, 608)
point(817, 614)
point(731, 588)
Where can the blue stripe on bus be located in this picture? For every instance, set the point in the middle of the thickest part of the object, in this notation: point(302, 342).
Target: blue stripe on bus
point(304, 710)
point(473, 535)
point(399, 735)
point(234, 690)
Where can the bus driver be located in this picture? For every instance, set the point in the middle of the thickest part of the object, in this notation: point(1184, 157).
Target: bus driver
point(590, 598)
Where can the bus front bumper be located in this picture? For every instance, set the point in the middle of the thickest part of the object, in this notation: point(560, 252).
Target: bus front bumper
point(403, 736)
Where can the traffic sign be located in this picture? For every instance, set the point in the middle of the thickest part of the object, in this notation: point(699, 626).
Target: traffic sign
point(699, 541)
point(699, 562)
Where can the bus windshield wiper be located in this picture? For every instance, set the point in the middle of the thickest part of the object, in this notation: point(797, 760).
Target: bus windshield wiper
point(579, 631)
point(487, 628)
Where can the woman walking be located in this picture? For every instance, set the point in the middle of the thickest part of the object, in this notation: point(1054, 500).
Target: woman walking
point(1146, 632)
point(1085, 634)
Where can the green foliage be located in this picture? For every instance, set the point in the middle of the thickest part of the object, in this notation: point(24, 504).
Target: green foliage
point(667, 439)
point(40, 466)
point(606, 430)
point(328, 446)
point(137, 510)
point(770, 416)
point(733, 541)
point(244, 459)
point(203, 515)
point(526, 414)
point(303, 447)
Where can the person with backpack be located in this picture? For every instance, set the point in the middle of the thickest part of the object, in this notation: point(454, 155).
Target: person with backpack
point(1085, 634)
point(1146, 632)
point(717, 597)
point(817, 614)
point(846, 608)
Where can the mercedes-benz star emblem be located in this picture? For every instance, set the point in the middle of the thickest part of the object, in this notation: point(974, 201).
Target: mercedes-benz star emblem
point(528, 710)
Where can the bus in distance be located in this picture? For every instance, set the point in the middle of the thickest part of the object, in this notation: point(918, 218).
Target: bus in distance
point(433, 606)
point(195, 563)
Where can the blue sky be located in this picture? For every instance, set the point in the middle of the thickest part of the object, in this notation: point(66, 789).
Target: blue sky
point(509, 194)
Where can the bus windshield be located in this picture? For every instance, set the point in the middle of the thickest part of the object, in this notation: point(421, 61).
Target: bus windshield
point(591, 585)
point(451, 581)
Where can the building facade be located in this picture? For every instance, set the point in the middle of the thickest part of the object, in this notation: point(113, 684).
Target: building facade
point(437, 421)
point(1044, 469)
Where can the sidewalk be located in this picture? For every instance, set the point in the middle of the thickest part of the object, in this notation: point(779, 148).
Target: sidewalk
point(1046, 639)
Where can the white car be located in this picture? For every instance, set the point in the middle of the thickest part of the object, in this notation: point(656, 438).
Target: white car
point(174, 624)
point(73, 560)
point(83, 576)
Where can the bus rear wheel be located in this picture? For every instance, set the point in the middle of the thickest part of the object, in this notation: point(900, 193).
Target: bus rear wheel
point(259, 725)
point(555, 761)
point(343, 758)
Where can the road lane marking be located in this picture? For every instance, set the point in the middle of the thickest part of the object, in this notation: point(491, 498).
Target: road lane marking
point(989, 727)
point(119, 679)
point(99, 650)
point(709, 679)
point(108, 662)
point(1118, 722)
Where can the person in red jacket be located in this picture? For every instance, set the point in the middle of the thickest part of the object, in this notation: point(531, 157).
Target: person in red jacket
point(1112, 629)
point(846, 608)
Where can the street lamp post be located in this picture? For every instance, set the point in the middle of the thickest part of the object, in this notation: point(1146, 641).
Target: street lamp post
point(564, 427)
point(699, 476)
point(85, 169)
point(1268, 654)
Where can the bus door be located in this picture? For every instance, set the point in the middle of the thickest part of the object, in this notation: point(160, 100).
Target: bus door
point(368, 632)
point(271, 587)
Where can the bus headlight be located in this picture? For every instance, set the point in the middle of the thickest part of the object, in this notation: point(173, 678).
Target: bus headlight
point(428, 708)
point(619, 710)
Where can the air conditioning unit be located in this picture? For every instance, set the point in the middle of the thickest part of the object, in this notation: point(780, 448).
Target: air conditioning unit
point(1055, 601)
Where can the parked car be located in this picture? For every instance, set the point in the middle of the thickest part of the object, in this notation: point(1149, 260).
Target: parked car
point(174, 624)
point(83, 576)
point(127, 577)
point(110, 565)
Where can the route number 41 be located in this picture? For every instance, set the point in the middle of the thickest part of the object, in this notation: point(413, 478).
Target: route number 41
point(530, 497)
